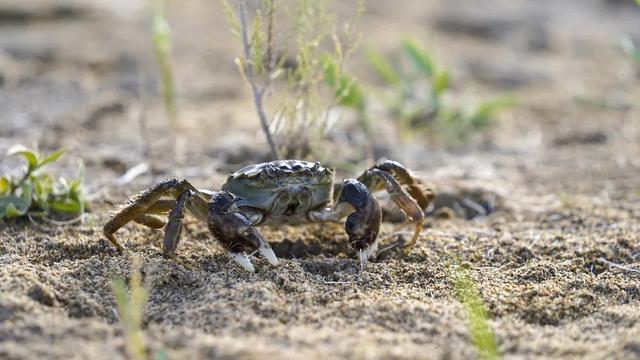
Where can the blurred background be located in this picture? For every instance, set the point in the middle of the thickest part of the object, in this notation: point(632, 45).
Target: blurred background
point(83, 75)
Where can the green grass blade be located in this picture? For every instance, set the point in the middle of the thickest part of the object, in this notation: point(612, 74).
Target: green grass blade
point(488, 109)
point(51, 157)
point(383, 67)
point(441, 82)
point(162, 49)
point(419, 56)
point(131, 303)
point(478, 319)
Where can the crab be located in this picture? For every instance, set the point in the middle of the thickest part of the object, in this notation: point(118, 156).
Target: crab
point(273, 193)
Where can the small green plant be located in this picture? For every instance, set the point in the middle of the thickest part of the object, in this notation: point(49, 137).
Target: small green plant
point(131, 303)
point(37, 193)
point(347, 92)
point(481, 334)
point(307, 60)
point(418, 96)
point(161, 32)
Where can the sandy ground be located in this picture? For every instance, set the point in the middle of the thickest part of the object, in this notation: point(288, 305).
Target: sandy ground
point(557, 263)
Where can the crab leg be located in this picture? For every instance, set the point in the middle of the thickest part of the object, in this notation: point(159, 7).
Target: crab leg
point(174, 226)
point(150, 220)
point(236, 232)
point(420, 192)
point(374, 177)
point(136, 206)
point(143, 208)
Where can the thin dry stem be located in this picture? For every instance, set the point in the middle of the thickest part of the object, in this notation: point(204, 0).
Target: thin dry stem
point(258, 92)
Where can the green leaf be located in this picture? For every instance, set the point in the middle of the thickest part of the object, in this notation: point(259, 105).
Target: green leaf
point(349, 93)
point(382, 67)
point(42, 185)
point(75, 186)
point(66, 206)
point(5, 185)
point(419, 56)
point(30, 155)
point(331, 72)
point(13, 206)
point(51, 158)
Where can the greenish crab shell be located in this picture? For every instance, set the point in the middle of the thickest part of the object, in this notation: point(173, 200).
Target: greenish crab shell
point(284, 190)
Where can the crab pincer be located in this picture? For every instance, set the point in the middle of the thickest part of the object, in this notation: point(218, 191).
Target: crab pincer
point(236, 231)
point(363, 225)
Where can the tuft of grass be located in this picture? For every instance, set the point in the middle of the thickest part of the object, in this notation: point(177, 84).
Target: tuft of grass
point(38, 193)
point(418, 92)
point(131, 303)
point(481, 333)
point(161, 33)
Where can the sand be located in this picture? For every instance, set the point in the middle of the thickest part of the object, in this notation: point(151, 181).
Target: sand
point(557, 261)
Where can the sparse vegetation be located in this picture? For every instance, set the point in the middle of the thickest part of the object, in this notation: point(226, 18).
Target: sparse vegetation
point(347, 93)
point(481, 334)
point(131, 302)
point(306, 58)
point(37, 193)
point(418, 92)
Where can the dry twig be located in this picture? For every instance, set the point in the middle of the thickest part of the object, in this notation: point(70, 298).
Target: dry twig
point(248, 68)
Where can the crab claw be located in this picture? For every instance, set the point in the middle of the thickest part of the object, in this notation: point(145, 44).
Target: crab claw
point(363, 225)
point(236, 232)
point(243, 260)
point(267, 252)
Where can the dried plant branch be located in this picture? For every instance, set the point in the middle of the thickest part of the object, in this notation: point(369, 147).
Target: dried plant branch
point(302, 118)
point(269, 57)
point(248, 68)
